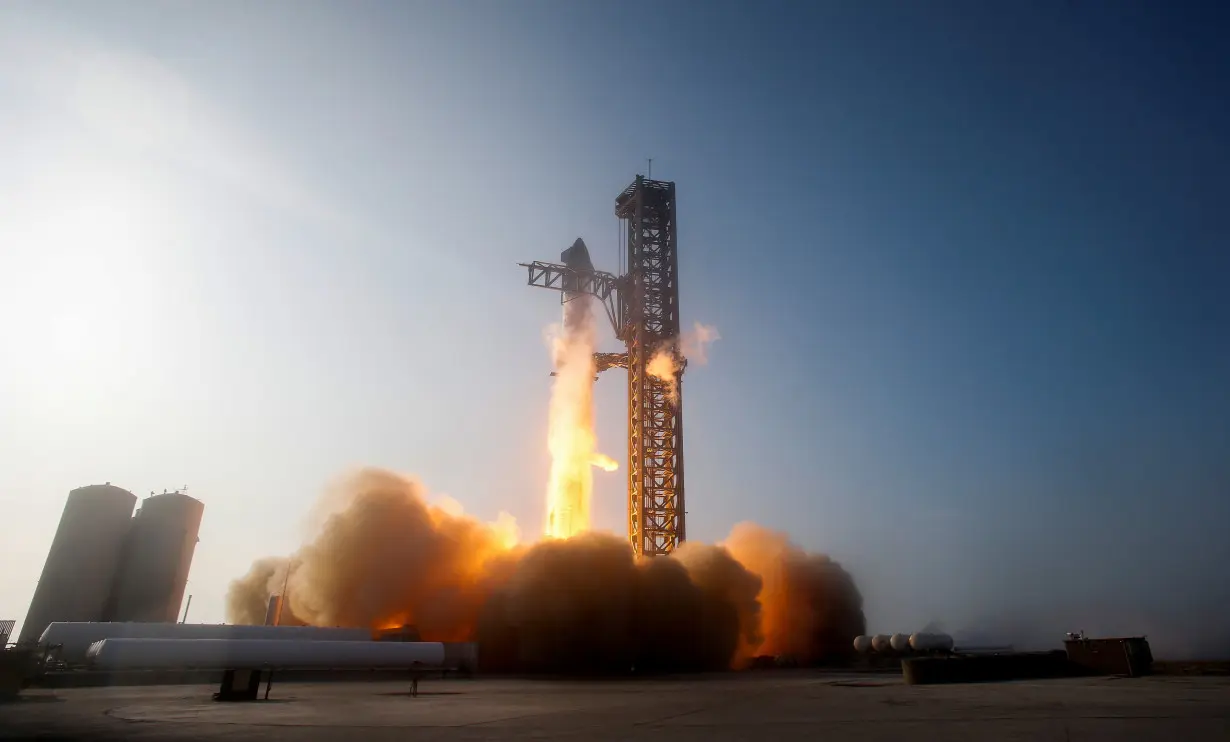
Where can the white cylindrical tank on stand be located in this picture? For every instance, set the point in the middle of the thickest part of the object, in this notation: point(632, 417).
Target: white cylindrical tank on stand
point(881, 643)
point(899, 642)
point(931, 642)
point(862, 644)
point(75, 638)
point(123, 654)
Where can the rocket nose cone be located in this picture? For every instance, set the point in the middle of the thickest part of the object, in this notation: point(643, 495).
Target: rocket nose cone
point(577, 256)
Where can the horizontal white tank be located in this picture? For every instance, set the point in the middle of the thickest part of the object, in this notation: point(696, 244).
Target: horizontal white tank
point(76, 637)
point(900, 642)
point(125, 654)
point(881, 643)
point(862, 644)
point(921, 642)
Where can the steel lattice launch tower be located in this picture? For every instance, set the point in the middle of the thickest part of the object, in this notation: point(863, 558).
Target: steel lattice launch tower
point(643, 307)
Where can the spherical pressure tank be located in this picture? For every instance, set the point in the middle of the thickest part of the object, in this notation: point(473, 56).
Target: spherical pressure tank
point(862, 644)
point(151, 583)
point(899, 642)
point(921, 642)
point(881, 643)
point(119, 654)
point(74, 639)
point(84, 557)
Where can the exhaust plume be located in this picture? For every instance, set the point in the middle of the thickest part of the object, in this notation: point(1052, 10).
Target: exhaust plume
point(386, 557)
point(570, 428)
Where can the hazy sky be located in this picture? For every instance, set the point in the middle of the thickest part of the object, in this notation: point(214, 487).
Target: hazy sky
point(968, 261)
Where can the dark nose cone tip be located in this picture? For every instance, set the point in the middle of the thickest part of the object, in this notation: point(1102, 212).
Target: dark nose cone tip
point(577, 256)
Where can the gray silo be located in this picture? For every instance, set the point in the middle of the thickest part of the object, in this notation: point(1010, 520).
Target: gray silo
point(84, 557)
point(150, 584)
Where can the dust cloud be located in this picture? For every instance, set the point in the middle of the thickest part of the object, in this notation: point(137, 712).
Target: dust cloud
point(386, 558)
point(810, 606)
point(248, 597)
point(583, 605)
point(586, 605)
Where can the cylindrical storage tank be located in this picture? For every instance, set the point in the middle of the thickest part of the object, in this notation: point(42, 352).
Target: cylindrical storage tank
point(862, 644)
point(157, 559)
point(881, 643)
point(921, 642)
point(899, 642)
point(123, 654)
point(84, 558)
point(75, 638)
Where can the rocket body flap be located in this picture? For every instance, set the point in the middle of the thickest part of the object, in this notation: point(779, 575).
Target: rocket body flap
point(577, 256)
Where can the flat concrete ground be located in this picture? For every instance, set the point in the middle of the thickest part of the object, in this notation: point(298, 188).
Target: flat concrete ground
point(764, 707)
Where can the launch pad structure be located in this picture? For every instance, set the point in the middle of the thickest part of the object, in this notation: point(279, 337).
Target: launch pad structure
point(642, 305)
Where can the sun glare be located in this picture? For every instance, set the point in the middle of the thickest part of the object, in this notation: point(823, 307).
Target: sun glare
point(85, 267)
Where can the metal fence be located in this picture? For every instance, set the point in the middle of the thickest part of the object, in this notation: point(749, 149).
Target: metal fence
point(6, 630)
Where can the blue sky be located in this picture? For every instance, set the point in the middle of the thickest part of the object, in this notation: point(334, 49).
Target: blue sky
point(966, 260)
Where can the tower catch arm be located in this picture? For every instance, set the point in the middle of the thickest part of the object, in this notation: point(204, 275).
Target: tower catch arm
point(599, 284)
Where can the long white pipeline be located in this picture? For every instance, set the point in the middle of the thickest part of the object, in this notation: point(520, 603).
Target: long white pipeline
point(122, 654)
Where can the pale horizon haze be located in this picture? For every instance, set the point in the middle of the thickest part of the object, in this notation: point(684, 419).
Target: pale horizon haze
point(968, 265)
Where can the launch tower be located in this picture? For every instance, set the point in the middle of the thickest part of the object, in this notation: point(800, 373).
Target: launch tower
point(643, 307)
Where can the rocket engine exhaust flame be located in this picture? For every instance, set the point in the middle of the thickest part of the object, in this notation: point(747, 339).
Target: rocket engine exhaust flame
point(604, 462)
point(385, 557)
point(570, 433)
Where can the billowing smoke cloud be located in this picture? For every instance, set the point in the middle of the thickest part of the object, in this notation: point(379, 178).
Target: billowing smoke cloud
point(582, 604)
point(664, 366)
point(692, 345)
point(386, 558)
point(810, 607)
point(695, 344)
point(248, 597)
point(716, 572)
point(585, 604)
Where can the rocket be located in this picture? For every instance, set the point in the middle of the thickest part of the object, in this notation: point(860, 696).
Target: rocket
point(577, 303)
point(576, 258)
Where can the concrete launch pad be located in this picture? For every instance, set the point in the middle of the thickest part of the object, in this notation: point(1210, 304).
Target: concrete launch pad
point(751, 706)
